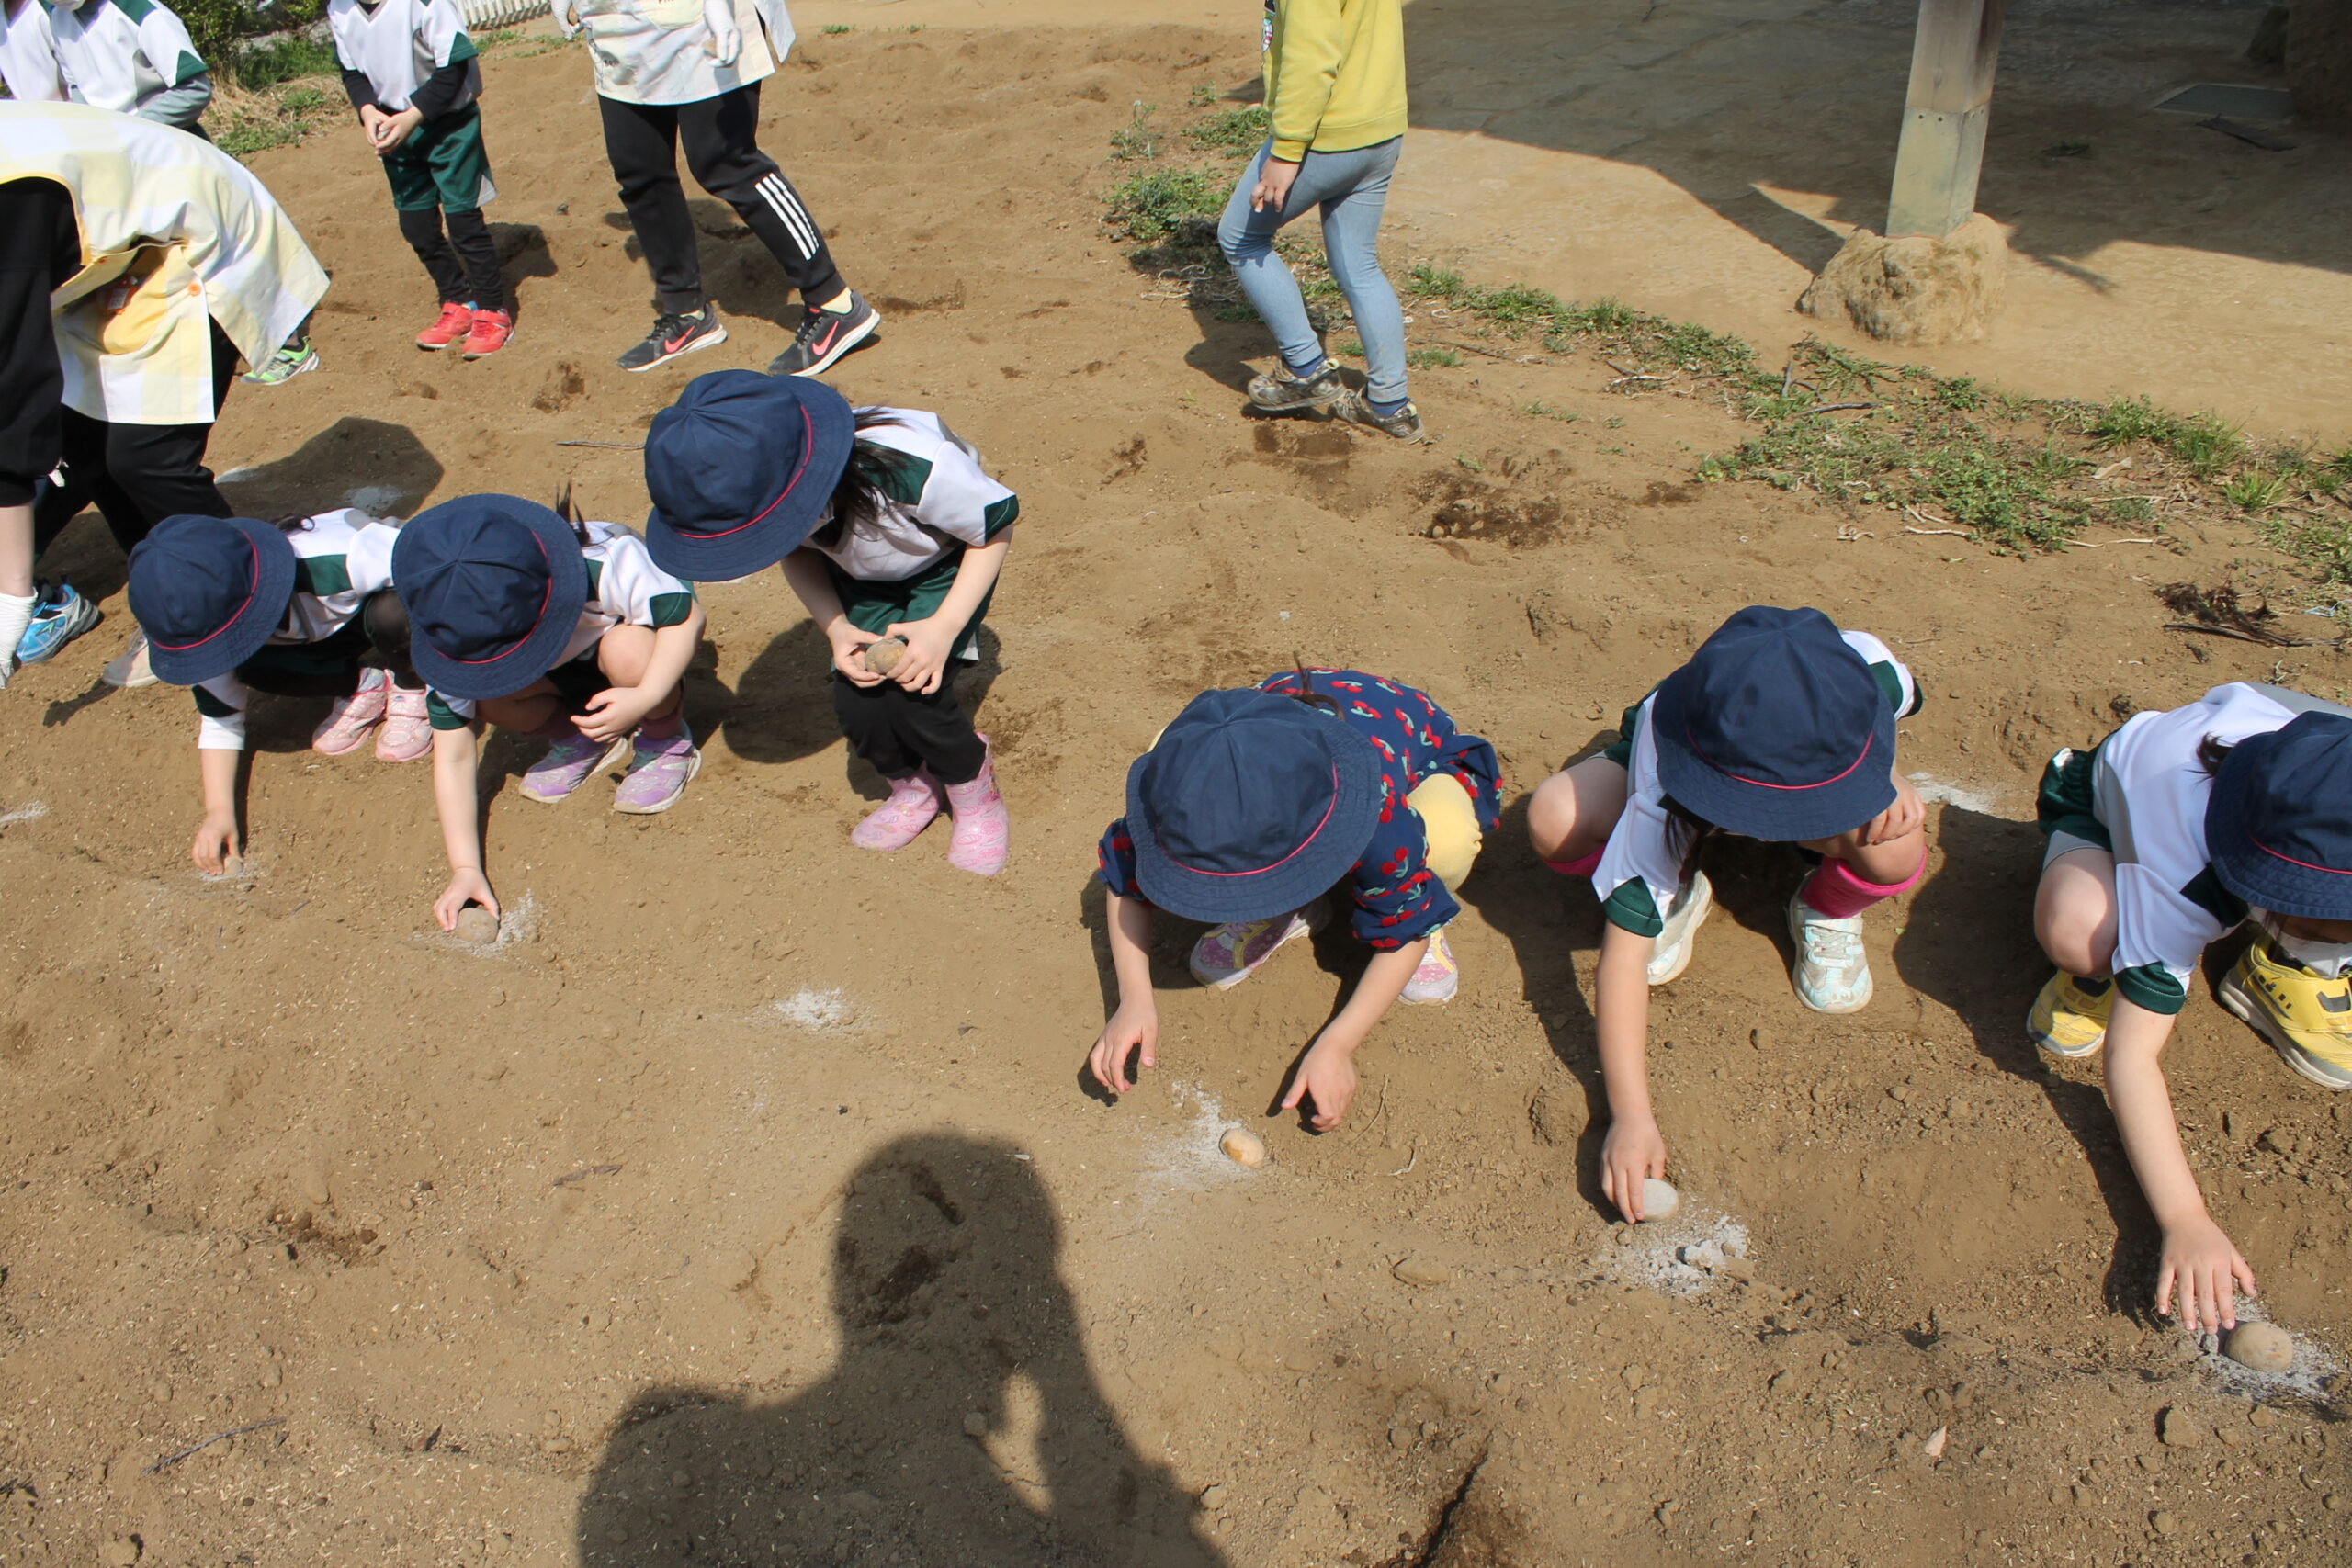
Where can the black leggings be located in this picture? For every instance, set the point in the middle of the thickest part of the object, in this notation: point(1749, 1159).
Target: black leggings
point(138, 474)
point(464, 265)
point(899, 731)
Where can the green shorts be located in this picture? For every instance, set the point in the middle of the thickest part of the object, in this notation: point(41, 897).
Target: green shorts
point(443, 164)
point(2065, 808)
point(872, 606)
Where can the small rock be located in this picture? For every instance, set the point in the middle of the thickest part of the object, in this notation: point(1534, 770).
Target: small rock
point(1659, 1200)
point(975, 1424)
point(160, 1391)
point(2175, 1429)
point(120, 1552)
point(1213, 1495)
point(2162, 1522)
point(2265, 1346)
point(2332, 1502)
point(1422, 1271)
point(1934, 1447)
point(477, 925)
point(232, 867)
point(883, 657)
point(1243, 1146)
point(2263, 1415)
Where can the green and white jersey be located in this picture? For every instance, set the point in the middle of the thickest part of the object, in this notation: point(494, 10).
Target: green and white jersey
point(624, 588)
point(117, 54)
point(340, 557)
point(661, 52)
point(1642, 865)
point(940, 501)
point(28, 56)
point(399, 44)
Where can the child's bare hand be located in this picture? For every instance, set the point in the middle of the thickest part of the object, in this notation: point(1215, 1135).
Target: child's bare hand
point(1899, 820)
point(849, 654)
point(925, 664)
point(216, 839)
point(1130, 1031)
point(1633, 1151)
point(2199, 1258)
point(614, 711)
point(464, 887)
point(390, 130)
point(1327, 1075)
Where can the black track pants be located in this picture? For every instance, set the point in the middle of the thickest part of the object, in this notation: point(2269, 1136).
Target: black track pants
point(899, 731)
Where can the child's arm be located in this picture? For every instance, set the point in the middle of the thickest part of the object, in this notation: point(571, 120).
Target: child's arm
point(216, 836)
point(2198, 1254)
point(805, 570)
point(1620, 1003)
point(458, 800)
point(1135, 1024)
point(1327, 1072)
point(616, 710)
point(931, 640)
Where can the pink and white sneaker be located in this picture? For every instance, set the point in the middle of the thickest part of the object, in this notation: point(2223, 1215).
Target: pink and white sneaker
point(567, 766)
point(657, 775)
point(1230, 954)
point(348, 722)
point(1438, 977)
point(983, 827)
point(408, 729)
point(914, 801)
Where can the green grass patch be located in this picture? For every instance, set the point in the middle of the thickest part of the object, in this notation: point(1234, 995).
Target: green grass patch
point(1136, 141)
point(1234, 133)
point(287, 58)
point(837, 28)
point(1154, 206)
point(1432, 358)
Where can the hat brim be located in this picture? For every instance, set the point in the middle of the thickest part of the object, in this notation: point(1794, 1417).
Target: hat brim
point(1772, 812)
point(1222, 898)
point(252, 628)
point(505, 674)
point(760, 542)
point(2262, 878)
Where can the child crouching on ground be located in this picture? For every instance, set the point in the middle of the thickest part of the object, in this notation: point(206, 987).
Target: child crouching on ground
point(1254, 803)
point(885, 527)
point(525, 618)
point(2169, 834)
point(299, 608)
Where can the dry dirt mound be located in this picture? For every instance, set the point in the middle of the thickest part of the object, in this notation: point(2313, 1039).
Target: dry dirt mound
point(744, 1207)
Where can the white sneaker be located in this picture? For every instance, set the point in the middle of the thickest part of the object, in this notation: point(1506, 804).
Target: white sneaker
point(129, 669)
point(1671, 955)
point(1438, 977)
point(1833, 974)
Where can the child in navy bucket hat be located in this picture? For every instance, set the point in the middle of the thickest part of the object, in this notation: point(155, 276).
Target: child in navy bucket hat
point(1251, 807)
point(303, 607)
point(888, 527)
point(529, 619)
point(2169, 834)
point(1781, 728)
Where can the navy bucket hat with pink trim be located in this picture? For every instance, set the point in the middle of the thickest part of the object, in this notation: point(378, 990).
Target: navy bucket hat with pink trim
point(1249, 806)
point(1776, 729)
point(741, 469)
point(2279, 821)
point(493, 586)
point(209, 592)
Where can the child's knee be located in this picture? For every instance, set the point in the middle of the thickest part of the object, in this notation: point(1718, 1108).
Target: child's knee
point(2076, 929)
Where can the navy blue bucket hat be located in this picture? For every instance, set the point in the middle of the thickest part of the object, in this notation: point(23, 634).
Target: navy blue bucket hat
point(2278, 822)
point(1249, 806)
point(1776, 729)
point(741, 469)
point(208, 591)
point(493, 586)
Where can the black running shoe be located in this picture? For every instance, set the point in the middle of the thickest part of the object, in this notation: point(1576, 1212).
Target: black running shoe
point(825, 336)
point(674, 335)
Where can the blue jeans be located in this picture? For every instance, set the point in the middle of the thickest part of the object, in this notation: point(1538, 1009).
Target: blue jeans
point(1350, 187)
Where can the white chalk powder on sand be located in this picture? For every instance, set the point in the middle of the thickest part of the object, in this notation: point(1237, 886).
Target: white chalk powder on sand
point(30, 811)
point(1188, 1157)
point(2306, 1378)
point(1688, 1254)
point(819, 1012)
point(517, 923)
point(1983, 800)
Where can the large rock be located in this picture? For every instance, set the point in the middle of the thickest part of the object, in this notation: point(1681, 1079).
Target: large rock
point(2319, 58)
point(1915, 290)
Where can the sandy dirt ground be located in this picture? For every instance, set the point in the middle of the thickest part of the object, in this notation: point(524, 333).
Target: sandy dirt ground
point(744, 1204)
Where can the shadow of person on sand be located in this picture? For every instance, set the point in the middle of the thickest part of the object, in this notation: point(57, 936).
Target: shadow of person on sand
point(1968, 943)
point(961, 1424)
point(783, 706)
point(379, 467)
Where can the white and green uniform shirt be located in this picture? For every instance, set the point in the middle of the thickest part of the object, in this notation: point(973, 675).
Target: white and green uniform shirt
point(340, 557)
point(28, 56)
point(399, 44)
point(661, 52)
point(1642, 865)
point(940, 502)
point(117, 54)
point(624, 588)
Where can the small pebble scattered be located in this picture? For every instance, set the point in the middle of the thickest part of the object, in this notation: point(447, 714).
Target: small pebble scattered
point(1243, 1146)
point(883, 657)
point(1422, 1271)
point(1659, 1200)
point(477, 925)
point(2265, 1346)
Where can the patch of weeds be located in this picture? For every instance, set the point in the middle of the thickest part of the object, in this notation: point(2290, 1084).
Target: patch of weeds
point(272, 93)
point(836, 28)
point(2254, 490)
point(1135, 141)
point(1204, 94)
point(2129, 509)
point(1349, 347)
point(1433, 358)
point(2204, 444)
point(1541, 410)
point(1235, 133)
point(1961, 394)
point(1615, 422)
point(1155, 205)
point(1470, 463)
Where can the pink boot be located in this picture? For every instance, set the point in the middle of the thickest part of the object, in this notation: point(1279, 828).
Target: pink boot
point(914, 801)
point(982, 826)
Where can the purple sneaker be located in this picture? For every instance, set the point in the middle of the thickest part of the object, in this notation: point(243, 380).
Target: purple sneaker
point(657, 774)
point(566, 767)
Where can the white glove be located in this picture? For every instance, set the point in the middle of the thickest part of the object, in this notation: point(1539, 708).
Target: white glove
point(15, 614)
point(726, 43)
point(567, 17)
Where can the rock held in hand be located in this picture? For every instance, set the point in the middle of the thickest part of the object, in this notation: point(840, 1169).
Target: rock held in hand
point(1243, 1146)
point(232, 867)
point(2265, 1346)
point(1659, 1200)
point(477, 925)
point(883, 657)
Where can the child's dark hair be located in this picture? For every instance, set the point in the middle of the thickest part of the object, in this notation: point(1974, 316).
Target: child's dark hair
point(870, 473)
point(290, 524)
point(1308, 694)
point(385, 620)
point(566, 509)
point(2211, 752)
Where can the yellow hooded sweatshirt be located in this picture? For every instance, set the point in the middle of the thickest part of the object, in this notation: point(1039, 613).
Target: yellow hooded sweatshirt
point(1335, 74)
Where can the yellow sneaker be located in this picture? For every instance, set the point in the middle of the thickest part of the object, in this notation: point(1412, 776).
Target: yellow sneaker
point(2069, 1018)
point(2307, 1018)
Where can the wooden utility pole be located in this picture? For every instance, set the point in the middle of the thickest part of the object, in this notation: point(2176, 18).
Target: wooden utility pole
point(1942, 151)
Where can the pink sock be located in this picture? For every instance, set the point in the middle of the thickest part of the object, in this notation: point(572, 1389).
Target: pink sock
point(667, 728)
point(1835, 891)
point(559, 728)
point(1583, 866)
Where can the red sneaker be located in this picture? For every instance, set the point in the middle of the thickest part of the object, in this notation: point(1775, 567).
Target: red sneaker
point(490, 330)
point(455, 323)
